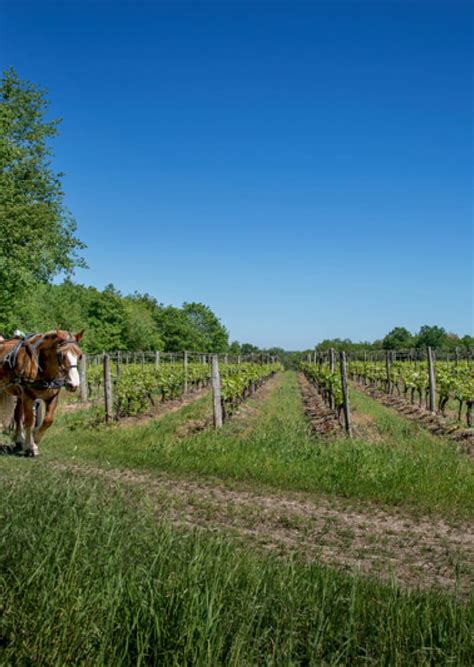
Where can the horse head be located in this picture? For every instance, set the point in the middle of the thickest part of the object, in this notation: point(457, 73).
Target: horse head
point(60, 355)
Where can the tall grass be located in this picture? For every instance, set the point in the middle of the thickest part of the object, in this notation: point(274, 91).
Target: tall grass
point(87, 579)
point(406, 467)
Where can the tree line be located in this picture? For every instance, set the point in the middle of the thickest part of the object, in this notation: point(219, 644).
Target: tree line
point(116, 322)
point(400, 338)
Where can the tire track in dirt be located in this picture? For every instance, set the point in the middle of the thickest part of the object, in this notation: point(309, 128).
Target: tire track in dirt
point(416, 553)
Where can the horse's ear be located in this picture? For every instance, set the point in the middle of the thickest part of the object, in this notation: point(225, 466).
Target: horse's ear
point(79, 335)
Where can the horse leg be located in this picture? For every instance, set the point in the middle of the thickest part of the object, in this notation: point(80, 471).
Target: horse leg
point(51, 405)
point(19, 435)
point(30, 447)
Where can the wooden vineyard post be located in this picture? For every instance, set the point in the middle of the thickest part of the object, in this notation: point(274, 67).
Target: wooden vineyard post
point(332, 368)
point(345, 395)
point(389, 371)
point(238, 359)
point(185, 368)
point(431, 381)
point(117, 363)
point(107, 389)
point(157, 360)
point(216, 391)
point(83, 378)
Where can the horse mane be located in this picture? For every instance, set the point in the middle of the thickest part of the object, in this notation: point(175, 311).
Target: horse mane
point(59, 334)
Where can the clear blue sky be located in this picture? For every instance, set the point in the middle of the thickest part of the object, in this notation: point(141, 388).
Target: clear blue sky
point(304, 168)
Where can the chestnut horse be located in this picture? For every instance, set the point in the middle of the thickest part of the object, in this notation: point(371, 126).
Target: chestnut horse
point(58, 356)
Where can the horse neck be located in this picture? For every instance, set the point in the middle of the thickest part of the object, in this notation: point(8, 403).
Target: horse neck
point(49, 366)
point(27, 364)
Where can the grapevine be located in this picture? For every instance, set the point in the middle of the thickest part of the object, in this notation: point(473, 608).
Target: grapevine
point(454, 381)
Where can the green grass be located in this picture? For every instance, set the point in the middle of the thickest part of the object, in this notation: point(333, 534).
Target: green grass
point(89, 578)
point(408, 467)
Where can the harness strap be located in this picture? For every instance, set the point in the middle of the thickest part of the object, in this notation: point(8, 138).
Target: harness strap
point(55, 383)
point(10, 359)
point(37, 343)
point(12, 356)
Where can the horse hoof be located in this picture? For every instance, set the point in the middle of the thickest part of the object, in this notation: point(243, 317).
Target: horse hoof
point(32, 452)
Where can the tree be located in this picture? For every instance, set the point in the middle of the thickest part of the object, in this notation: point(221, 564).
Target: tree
point(467, 342)
point(210, 332)
point(431, 336)
point(234, 348)
point(37, 234)
point(248, 348)
point(176, 330)
point(141, 332)
point(107, 320)
point(398, 338)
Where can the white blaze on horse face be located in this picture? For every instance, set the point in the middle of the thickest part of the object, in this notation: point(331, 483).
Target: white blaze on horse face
point(73, 374)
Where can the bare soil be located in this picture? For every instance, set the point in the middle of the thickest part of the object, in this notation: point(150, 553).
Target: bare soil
point(323, 421)
point(361, 538)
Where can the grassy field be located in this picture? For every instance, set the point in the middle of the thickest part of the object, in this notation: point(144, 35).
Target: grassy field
point(87, 578)
point(100, 573)
point(406, 466)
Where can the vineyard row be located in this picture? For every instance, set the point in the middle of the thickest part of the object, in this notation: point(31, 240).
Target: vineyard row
point(132, 389)
point(435, 384)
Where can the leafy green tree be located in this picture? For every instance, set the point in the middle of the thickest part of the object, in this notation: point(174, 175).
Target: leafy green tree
point(48, 306)
point(107, 320)
point(431, 336)
point(234, 347)
point(210, 332)
point(37, 234)
point(141, 331)
point(248, 348)
point(344, 344)
point(398, 338)
point(467, 342)
point(177, 330)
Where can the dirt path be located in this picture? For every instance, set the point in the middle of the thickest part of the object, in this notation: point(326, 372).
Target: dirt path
point(424, 552)
point(323, 421)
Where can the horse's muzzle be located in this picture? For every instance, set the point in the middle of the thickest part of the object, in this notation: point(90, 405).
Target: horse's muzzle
point(71, 387)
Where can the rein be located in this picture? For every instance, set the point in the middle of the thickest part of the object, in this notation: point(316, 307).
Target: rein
point(60, 380)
